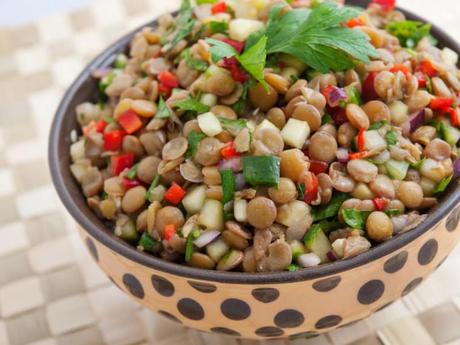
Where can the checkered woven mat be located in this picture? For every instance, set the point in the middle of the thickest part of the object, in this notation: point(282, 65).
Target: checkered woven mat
point(51, 292)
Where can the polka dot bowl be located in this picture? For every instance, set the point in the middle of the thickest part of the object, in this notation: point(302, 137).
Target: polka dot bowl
point(273, 305)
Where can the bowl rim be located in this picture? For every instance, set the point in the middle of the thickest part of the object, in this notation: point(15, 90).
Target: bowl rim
point(60, 173)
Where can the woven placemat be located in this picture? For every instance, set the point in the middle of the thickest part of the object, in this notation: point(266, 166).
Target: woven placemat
point(51, 292)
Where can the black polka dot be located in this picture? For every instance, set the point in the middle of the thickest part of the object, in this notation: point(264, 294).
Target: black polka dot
point(92, 248)
point(411, 286)
point(226, 331)
point(163, 286)
point(269, 332)
point(289, 318)
point(428, 252)
point(453, 220)
point(326, 285)
point(191, 309)
point(371, 292)
point(202, 287)
point(396, 263)
point(265, 295)
point(235, 309)
point(133, 285)
point(328, 322)
point(169, 316)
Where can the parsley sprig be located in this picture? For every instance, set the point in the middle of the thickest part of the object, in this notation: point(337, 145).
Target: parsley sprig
point(317, 37)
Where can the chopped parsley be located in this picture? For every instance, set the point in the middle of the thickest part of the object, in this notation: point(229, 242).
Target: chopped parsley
point(391, 138)
point(193, 139)
point(163, 111)
point(409, 32)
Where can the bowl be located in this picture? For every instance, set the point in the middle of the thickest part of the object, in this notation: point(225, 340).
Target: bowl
point(261, 305)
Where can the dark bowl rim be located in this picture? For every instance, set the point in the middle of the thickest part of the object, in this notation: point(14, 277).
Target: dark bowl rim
point(60, 181)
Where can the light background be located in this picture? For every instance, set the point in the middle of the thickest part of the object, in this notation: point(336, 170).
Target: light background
point(50, 290)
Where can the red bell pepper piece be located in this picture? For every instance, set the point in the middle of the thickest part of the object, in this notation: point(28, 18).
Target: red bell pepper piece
point(220, 7)
point(169, 231)
point(168, 79)
point(358, 155)
point(239, 46)
point(174, 194)
point(228, 151)
point(355, 22)
point(98, 126)
point(311, 188)
point(387, 5)
point(318, 167)
point(128, 184)
point(113, 140)
point(130, 121)
point(164, 90)
point(232, 65)
point(369, 93)
point(379, 203)
point(121, 162)
point(401, 68)
point(453, 113)
point(427, 68)
point(361, 140)
point(422, 80)
point(441, 103)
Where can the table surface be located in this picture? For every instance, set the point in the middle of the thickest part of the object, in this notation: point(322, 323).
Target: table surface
point(51, 292)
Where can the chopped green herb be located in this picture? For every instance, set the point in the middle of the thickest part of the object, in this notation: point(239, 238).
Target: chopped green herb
point(132, 173)
point(184, 24)
point(261, 170)
point(330, 225)
point(391, 138)
point(202, 2)
point(252, 60)
point(163, 111)
point(293, 268)
point(153, 185)
point(378, 125)
point(192, 104)
point(193, 139)
point(147, 243)
point(121, 61)
point(240, 106)
point(106, 81)
point(441, 187)
point(330, 210)
point(409, 32)
point(417, 165)
point(218, 27)
point(109, 120)
point(233, 126)
point(228, 184)
point(354, 218)
point(196, 64)
point(326, 119)
point(104, 195)
point(301, 190)
point(353, 95)
point(192, 236)
point(317, 37)
point(393, 212)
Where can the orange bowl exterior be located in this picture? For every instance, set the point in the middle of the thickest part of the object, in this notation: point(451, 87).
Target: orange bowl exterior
point(282, 309)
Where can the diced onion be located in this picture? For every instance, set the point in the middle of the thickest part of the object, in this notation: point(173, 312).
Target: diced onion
point(206, 237)
point(342, 155)
point(309, 260)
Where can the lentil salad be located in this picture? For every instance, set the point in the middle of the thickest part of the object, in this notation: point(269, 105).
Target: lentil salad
point(217, 142)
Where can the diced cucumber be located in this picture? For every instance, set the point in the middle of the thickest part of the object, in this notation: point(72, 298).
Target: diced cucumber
point(399, 112)
point(125, 228)
point(297, 248)
point(450, 134)
point(397, 169)
point(265, 124)
point(240, 29)
point(209, 124)
point(373, 140)
point(194, 199)
point(240, 210)
point(217, 249)
point(261, 170)
point(295, 133)
point(317, 242)
point(212, 215)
